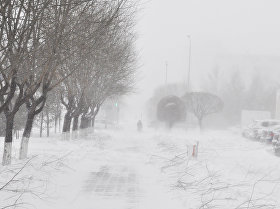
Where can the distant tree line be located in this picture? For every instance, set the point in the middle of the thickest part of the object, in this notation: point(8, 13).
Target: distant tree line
point(242, 92)
point(55, 53)
point(232, 92)
point(172, 109)
point(159, 93)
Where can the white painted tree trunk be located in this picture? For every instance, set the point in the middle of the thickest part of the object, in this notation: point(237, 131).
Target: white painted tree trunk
point(82, 133)
point(7, 156)
point(23, 148)
point(66, 136)
point(87, 132)
point(75, 134)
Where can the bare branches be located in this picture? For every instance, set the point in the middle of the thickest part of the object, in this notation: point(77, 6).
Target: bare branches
point(30, 180)
point(84, 47)
point(203, 184)
point(105, 64)
point(16, 174)
point(202, 104)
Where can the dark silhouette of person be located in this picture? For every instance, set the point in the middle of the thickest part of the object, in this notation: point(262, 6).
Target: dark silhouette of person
point(139, 125)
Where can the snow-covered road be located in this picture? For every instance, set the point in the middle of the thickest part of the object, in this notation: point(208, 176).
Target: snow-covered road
point(130, 170)
point(117, 173)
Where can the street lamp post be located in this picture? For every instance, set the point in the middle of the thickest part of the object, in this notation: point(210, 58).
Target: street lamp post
point(166, 67)
point(189, 70)
point(118, 110)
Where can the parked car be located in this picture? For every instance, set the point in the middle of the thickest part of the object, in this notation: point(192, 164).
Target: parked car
point(267, 136)
point(252, 130)
point(276, 144)
point(276, 141)
point(261, 130)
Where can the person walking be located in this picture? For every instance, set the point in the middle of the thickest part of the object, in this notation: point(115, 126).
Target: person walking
point(139, 126)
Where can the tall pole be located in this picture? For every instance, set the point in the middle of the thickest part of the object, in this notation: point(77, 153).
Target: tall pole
point(189, 70)
point(166, 67)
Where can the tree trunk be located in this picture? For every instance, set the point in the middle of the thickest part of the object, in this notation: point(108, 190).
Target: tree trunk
point(170, 124)
point(93, 122)
point(59, 122)
point(7, 155)
point(67, 123)
point(75, 123)
point(75, 127)
point(200, 123)
point(48, 123)
point(55, 123)
point(66, 126)
point(83, 122)
point(88, 123)
point(41, 125)
point(26, 135)
point(16, 132)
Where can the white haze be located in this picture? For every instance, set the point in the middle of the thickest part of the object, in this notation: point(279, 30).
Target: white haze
point(113, 160)
point(230, 34)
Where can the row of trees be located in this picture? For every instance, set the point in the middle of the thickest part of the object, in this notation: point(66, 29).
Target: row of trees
point(240, 92)
point(237, 90)
point(159, 93)
point(73, 52)
point(172, 109)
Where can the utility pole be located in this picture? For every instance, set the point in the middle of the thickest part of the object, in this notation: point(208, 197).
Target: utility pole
point(166, 68)
point(118, 111)
point(189, 70)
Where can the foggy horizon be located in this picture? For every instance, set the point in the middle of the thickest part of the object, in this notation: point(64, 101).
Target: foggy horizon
point(233, 32)
point(140, 104)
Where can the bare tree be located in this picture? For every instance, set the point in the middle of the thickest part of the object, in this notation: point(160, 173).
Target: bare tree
point(69, 27)
point(20, 37)
point(171, 109)
point(202, 104)
point(105, 70)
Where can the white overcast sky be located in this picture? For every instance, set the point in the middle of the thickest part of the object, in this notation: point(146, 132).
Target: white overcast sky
point(217, 27)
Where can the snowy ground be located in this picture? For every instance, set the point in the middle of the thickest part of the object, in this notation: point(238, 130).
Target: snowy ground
point(120, 169)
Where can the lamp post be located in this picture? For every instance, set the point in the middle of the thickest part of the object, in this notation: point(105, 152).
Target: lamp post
point(118, 110)
point(166, 68)
point(189, 69)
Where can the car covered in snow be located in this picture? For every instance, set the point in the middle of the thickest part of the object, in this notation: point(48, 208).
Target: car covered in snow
point(261, 129)
point(269, 134)
point(276, 140)
point(276, 144)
